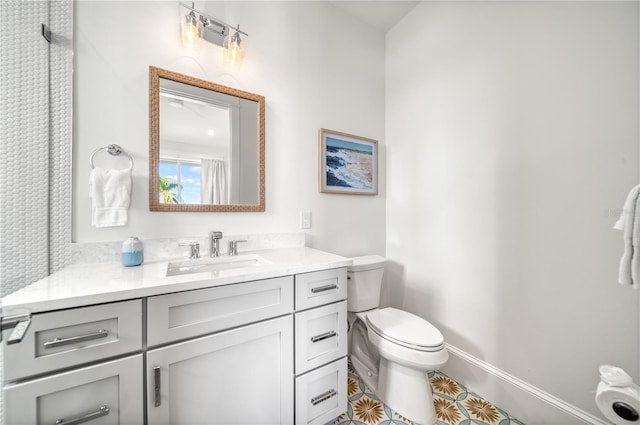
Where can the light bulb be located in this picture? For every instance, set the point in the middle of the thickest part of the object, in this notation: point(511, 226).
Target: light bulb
point(190, 36)
point(233, 49)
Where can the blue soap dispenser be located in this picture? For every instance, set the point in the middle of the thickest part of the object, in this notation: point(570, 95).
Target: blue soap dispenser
point(132, 254)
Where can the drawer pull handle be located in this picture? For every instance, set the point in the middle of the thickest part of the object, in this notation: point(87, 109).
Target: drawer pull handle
point(57, 342)
point(157, 399)
point(323, 336)
point(323, 397)
point(102, 411)
point(323, 288)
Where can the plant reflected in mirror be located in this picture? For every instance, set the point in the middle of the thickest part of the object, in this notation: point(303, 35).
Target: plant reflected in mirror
point(167, 191)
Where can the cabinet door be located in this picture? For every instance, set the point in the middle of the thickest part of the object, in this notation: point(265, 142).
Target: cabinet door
point(321, 336)
point(321, 395)
point(107, 393)
point(321, 287)
point(69, 338)
point(241, 376)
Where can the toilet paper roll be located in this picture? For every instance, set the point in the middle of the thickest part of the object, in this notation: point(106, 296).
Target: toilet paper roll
point(621, 405)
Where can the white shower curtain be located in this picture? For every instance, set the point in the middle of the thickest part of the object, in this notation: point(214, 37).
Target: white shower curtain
point(213, 180)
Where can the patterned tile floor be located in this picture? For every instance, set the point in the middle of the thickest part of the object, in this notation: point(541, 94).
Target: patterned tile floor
point(454, 406)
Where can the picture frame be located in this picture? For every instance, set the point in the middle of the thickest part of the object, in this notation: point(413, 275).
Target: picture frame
point(348, 164)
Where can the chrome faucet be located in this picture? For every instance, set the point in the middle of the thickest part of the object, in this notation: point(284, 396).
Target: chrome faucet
point(214, 243)
point(233, 247)
point(194, 249)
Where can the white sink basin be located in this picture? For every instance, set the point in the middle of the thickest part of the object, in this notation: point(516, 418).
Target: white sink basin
point(215, 264)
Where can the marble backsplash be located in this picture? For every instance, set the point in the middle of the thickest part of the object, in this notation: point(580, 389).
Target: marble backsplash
point(158, 249)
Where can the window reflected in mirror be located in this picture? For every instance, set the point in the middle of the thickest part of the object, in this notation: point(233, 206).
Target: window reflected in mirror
point(179, 181)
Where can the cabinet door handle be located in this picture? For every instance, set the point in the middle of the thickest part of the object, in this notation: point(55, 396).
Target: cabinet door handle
point(325, 335)
point(323, 397)
point(323, 288)
point(156, 387)
point(57, 342)
point(102, 411)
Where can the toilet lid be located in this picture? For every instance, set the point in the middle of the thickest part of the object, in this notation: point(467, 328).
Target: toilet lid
point(405, 329)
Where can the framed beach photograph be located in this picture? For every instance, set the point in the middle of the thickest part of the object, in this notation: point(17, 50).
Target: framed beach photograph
point(348, 163)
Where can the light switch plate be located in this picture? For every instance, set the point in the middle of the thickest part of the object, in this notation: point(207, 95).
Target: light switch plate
point(305, 219)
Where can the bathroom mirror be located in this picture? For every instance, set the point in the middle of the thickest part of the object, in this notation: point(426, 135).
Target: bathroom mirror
point(206, 145)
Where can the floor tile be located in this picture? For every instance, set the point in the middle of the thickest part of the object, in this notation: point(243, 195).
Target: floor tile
point(454, 406)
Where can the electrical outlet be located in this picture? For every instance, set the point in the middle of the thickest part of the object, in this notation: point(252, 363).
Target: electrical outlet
point(305, 219)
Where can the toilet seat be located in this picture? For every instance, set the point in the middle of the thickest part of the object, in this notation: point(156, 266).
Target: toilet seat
point(405, 329)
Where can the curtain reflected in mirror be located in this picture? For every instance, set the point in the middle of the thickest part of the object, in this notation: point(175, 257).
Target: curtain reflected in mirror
point(213, 177)
point(206, 145)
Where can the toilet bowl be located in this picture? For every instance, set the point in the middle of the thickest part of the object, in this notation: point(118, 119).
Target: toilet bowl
point(392, 350)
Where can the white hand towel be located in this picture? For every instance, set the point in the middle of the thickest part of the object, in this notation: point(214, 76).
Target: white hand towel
point(110, 192)
point(629, 223)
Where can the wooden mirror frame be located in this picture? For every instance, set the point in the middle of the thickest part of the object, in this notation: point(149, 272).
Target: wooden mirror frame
point(155, 74)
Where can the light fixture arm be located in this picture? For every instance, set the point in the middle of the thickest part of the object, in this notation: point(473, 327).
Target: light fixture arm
point(211, 20)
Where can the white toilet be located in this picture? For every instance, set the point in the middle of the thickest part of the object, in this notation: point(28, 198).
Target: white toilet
point(391, 350)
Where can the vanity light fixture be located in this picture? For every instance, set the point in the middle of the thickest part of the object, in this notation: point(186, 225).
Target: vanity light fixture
point(214, 31)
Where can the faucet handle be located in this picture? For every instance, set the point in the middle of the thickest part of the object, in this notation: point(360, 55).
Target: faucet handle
point(194, 252)
point(215, 234)
point(233, 246)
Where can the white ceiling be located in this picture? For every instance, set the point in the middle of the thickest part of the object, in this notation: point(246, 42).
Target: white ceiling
point(195, 124)
point(380, 14)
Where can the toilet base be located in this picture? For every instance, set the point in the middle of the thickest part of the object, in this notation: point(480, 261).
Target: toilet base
point(407, 391)
point(368, 374)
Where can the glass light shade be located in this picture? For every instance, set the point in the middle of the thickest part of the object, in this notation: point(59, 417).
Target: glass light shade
point(233, 50)
point(190, 37)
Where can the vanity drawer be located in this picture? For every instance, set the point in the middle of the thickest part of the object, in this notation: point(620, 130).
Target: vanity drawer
point(72, 337)
point(321, 336)
point(319, 288)
point(188, 314)
point(321, 395)
point(107, 393)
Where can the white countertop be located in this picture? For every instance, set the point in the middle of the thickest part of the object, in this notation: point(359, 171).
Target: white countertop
point(96, 283)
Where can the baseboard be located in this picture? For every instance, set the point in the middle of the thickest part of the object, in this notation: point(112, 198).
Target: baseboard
point(525, 402)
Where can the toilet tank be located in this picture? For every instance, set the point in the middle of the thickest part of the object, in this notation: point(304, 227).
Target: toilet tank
point(364, 282)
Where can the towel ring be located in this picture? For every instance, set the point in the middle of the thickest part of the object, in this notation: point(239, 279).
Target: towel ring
point(114, 150)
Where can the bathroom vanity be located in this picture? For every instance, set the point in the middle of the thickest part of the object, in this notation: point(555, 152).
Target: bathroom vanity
point(261, 344)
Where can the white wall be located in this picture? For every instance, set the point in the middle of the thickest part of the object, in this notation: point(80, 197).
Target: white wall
point(512, 141)
point(315, 66)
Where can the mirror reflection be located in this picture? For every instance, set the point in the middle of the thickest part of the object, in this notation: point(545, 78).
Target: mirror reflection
point(206, 147)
